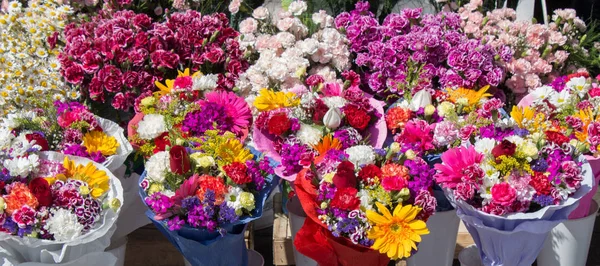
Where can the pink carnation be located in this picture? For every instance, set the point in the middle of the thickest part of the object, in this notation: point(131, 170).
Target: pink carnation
point(503, 194)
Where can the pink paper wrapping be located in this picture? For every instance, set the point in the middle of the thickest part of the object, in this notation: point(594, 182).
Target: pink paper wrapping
point(585, 203)
point(131, 128)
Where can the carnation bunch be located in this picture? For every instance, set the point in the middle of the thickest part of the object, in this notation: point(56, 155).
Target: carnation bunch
point(540, 52)
point(411, 51)
point(48, 199)
point(288, 47)
point(66, 127)
point(516, 165)
point(28, 54)
point(298, 125)
point(108, 57)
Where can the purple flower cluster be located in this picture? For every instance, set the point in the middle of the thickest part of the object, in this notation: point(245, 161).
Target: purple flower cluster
point(421, 173)
point(258, 171)
point(411, 50)
point(291, 155)
point(348, 137)
point(211, 116)
point(81, 151)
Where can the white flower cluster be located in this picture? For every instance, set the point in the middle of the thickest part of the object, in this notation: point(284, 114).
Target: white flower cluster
point(63, 225)
point(286, 52)
point(15, 153)
point(29, 67)
point(151, 126)
point(575, 88)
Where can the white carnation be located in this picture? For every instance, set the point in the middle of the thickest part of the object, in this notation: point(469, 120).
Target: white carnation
point(308, 46)
point(485, 145)
point(286, 39)
point(309, 135)
point(297, 8)
point(260, 12)
point(361, 155)
point(205, 82)
point(151, 126)
point(157, 166)
point(63, 225)
point(22, 166)
point(335, 102)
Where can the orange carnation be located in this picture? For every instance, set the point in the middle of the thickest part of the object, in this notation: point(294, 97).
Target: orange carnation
point(19, 195)
point(217, 185)
point(396, 118)
point(392, 170)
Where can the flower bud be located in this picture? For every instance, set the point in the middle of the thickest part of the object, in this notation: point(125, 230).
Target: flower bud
point(333, 118)
point(410, 154)
point(2, 205)
point(203, 160)
point(395, 147)
point(114, 204)
point(421, 99)
point(247, 201)
point(429, 110)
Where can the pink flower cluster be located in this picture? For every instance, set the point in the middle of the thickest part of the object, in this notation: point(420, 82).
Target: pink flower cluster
point(540, 51)
point(119, 57)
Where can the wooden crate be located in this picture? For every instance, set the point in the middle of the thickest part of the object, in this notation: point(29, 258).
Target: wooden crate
point(283, 247)
point(249, 236)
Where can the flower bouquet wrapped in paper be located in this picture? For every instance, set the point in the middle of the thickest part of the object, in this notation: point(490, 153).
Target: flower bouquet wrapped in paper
point(70, 128)
point(570, 103)
point(365, 206)
point(54, 208)
point(514, 183)
point(201, 183)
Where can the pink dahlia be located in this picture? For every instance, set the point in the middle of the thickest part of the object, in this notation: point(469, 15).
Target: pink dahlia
point(455, 160)
point(236, 107)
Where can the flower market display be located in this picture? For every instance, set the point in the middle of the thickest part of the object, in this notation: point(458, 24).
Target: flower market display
point(202, 184)
point(52, 202)
point(382, 122)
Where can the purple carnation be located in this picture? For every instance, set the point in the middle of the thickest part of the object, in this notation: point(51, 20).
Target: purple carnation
point(211, 116)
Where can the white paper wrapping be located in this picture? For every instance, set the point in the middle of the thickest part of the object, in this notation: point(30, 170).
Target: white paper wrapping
point(15, 250)
point(112, 129)
point(133, 211)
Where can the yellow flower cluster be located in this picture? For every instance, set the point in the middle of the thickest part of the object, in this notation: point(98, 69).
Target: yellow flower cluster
point(98, 141)
point(29, 67)
point(97, 180)
point(225, 148)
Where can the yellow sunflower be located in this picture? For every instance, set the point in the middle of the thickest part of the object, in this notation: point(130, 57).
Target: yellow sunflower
point(271, 100)
point(471, 97)
point(168, 86)
point(97, 180)
point(396, 235)
point(96, 141)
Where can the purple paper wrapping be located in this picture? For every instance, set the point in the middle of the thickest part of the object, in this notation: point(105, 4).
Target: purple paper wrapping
point(516, 239)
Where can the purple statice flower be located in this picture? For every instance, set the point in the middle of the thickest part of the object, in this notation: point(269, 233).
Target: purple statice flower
point(291, 154)
point(209, 198)
point(76, 150)
point(61, 107)
point(326, 192)
point(175, 223)
point(348, 137)
point(10, 225)
point(25, 231)
point(347, 225)
point(543, 200)
point(539, 165)
point(559, 83)
point(190, 202)
point(521, 132)
point(227, 214)
point(159, 203)
point(198, 218)
point(211, 116)
point(254, 171)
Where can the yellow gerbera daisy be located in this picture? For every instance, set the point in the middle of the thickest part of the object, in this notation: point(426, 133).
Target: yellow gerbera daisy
point(96, 141)
point(233, 151)
point(396, 234)
point(97, 180)
point(168, 86)
point(270, 100)
point(472, 97)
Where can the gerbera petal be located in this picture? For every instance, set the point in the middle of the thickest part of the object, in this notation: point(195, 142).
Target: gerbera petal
point(376, 218)
point(402, 211)
point(407, 248)
point(383, 210)
point(393, 251)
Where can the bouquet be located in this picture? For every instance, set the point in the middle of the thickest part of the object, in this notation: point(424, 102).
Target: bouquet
point(569, 103)
point(411, 51)
point(30, 46)
point(540, 52)
point(511, 187)
point(201, 183)
point(295, 126)
point(70, 128)
point(354, 204)
point(54, 208)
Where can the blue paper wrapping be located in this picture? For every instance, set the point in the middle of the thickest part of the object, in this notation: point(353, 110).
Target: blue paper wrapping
point(203, 248)
point(443, 204)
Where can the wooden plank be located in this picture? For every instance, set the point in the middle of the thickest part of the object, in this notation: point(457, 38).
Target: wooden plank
point(283, 247)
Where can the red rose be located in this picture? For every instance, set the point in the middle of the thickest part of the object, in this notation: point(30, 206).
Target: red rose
point(162, 142)
point(540, 183)
point(279, 124)
point(345, 199)
point(238, 173)
point(40, 189)
point(357, 118)
point(505, 148)
point(369, 171)
point(344, 177)
point(39, 140)
point(557, 137)
point(179, 160)
point(319, 111)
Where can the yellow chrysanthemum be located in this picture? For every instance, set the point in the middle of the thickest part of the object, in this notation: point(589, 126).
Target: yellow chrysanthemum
point(97, 180)
point(527, 118)
point(396, 235)
point(98, 141)
point(271, 100)
point(168, 86)
point(472, 97)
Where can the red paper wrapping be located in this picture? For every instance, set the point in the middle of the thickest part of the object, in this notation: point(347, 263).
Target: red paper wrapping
point(316, 241)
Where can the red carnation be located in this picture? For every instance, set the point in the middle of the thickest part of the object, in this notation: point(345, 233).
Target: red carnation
point(179, 160)
point(344, 177)
point(557, 137)
point(40, 188)
point(506, 148)
point(540, 183)
point(39, 140)
point(319, 111)
point(576, 75)
point(162, 142)
point(369, 171)
point(279, 124)
point(357, 118)
point(238, 173)
point(345, 199)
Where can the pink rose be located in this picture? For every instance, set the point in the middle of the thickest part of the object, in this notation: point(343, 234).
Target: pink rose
point(503, 194)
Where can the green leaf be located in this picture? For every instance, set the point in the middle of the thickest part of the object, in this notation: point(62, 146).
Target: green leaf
point(285, 4)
